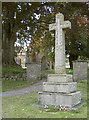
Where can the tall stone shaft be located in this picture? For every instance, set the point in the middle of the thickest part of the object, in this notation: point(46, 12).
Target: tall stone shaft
point(59, 27)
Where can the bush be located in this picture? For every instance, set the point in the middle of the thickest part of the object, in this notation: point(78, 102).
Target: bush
point(43, 76)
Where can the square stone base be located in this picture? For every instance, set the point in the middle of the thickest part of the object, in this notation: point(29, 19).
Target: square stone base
point(67, 87)
point(59, 78)
point(57, 99)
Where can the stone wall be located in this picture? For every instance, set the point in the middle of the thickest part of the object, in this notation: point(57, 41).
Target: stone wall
point(33, 71)
point(14, 77)
point(80, 70)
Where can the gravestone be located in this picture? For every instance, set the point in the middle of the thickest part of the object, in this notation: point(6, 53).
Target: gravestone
point(59, 90)
point(80, 70)
point(43, 63)
point(33, 71)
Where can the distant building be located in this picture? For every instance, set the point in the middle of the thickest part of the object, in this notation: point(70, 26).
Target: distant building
point(21, 59)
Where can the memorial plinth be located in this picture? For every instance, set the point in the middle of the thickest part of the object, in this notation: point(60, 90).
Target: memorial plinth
point(60, 87)
point(59, 90)
point(59, 99)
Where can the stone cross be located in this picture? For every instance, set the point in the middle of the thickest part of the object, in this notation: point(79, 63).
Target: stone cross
point(59, 27)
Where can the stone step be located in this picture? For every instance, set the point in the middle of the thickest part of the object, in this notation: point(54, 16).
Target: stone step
point(60, 87)
point(59, 78)
point(59, 99)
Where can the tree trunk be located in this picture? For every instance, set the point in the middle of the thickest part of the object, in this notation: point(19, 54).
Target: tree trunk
point(71, 59)
point(11, 53)
point(8, 49)
point(5, 57)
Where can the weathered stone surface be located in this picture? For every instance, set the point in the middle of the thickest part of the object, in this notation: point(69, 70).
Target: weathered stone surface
point(60, 78)
point(59, 27)
point(33, 71)
point(60, 87)
point(57, 99)
point(80, 70)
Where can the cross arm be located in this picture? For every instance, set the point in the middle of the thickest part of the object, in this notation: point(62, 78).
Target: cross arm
point(67, 24)
point(52, 26)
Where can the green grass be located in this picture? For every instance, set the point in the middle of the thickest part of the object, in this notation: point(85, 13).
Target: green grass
point(68, 71)
point(8, 85)
point(49, 71)
point(13, 70)
point(21, 106)
point(43, 76)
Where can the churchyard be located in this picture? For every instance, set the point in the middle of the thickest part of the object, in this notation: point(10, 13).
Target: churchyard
point(23, 106)
point(46, 88)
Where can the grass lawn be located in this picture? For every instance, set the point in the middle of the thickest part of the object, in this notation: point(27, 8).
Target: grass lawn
point(8, 85)
point(21, 106)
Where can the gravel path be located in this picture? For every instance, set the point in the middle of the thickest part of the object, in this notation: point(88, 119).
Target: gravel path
point(35, 87)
